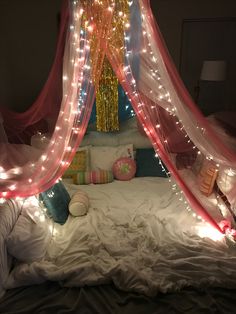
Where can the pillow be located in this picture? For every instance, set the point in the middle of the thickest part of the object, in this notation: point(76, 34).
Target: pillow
point(129, 124)
point(196, 167)
point(28, 240)
point(79, 163)
point(100, 139)
point(128, 133)
point(96, 177)
point(185, 160)
point(103, 157)
point(124, 169)
point(133, 136)
point(82, 177)
point(9, 213)
point(206, 177)
point(87, 151)
point(227, 121)
point(79, 204)
point(223, 132)
point(226, 182)
point(56, 200)
point(147, 164)
point(40, 140)
point(141, 129)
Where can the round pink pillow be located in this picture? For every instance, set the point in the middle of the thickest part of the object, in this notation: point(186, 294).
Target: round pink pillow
point(124, 169)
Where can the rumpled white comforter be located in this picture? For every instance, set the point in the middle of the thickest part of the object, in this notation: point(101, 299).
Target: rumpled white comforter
point(138, 235)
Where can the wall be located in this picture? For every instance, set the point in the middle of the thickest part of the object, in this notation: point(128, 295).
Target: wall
point(170, 14)
point(28, 30)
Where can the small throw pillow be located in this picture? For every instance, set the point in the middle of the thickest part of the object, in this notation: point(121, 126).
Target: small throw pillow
point(95, 177)
point(207, 177)
point(79, 163)
point(147, 164)
point(124, 169)
point(56, 200)
point(103, 157)
point(86, 149)
point(79, 204)
point(185, 160)
point(83, 177)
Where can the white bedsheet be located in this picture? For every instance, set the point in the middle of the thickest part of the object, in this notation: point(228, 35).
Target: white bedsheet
point(138, 235)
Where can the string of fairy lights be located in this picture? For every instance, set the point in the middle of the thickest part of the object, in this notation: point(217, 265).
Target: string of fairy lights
point(163, 95)
point(77, 79)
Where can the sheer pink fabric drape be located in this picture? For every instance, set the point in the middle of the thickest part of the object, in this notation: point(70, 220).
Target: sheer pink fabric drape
point(163, 106)
point(25, 170)
point(168, 114)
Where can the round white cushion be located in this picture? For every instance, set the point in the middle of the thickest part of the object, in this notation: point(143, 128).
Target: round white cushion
point(79, 204)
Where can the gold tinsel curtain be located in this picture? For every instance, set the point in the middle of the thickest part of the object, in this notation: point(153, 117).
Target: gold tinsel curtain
point(107, 86)
point(107, 93)
point(107, 100)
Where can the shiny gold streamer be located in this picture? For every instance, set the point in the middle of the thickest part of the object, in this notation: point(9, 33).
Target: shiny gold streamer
point(107, 100)
point(104, 79)
point(107, 94)
point(94, 16)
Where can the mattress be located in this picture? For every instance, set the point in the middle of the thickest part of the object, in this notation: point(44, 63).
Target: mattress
point(137, 235)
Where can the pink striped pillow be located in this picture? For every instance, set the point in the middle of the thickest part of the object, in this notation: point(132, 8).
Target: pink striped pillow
point(79, 204)
point(95, 177)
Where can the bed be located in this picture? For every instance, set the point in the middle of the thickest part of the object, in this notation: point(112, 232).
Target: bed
point(137, 239)
point(136, 249)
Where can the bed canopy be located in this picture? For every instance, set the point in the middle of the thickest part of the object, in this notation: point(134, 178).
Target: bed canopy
point(124, 35)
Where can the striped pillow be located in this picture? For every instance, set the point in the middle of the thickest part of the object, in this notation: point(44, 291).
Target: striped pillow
point(207, 177)
point(79, 204)
point(95, 177)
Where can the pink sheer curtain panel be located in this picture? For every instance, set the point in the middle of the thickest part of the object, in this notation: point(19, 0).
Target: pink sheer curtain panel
point(168, 115)
point(26, 170)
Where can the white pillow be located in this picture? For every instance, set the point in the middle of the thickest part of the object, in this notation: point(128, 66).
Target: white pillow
point(79, 203)
point(30, 236)
point(125, 136)
point(103, 157)
point(40, 141)
point(100, 139)
point(9, 212)
point(226, 181)
point(129, 124)
point(135, 137)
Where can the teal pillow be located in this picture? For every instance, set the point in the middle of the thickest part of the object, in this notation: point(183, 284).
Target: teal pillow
point(147, 164)
point(56, 200)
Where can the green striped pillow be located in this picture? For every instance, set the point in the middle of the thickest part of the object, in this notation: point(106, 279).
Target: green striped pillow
point(95, 177)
